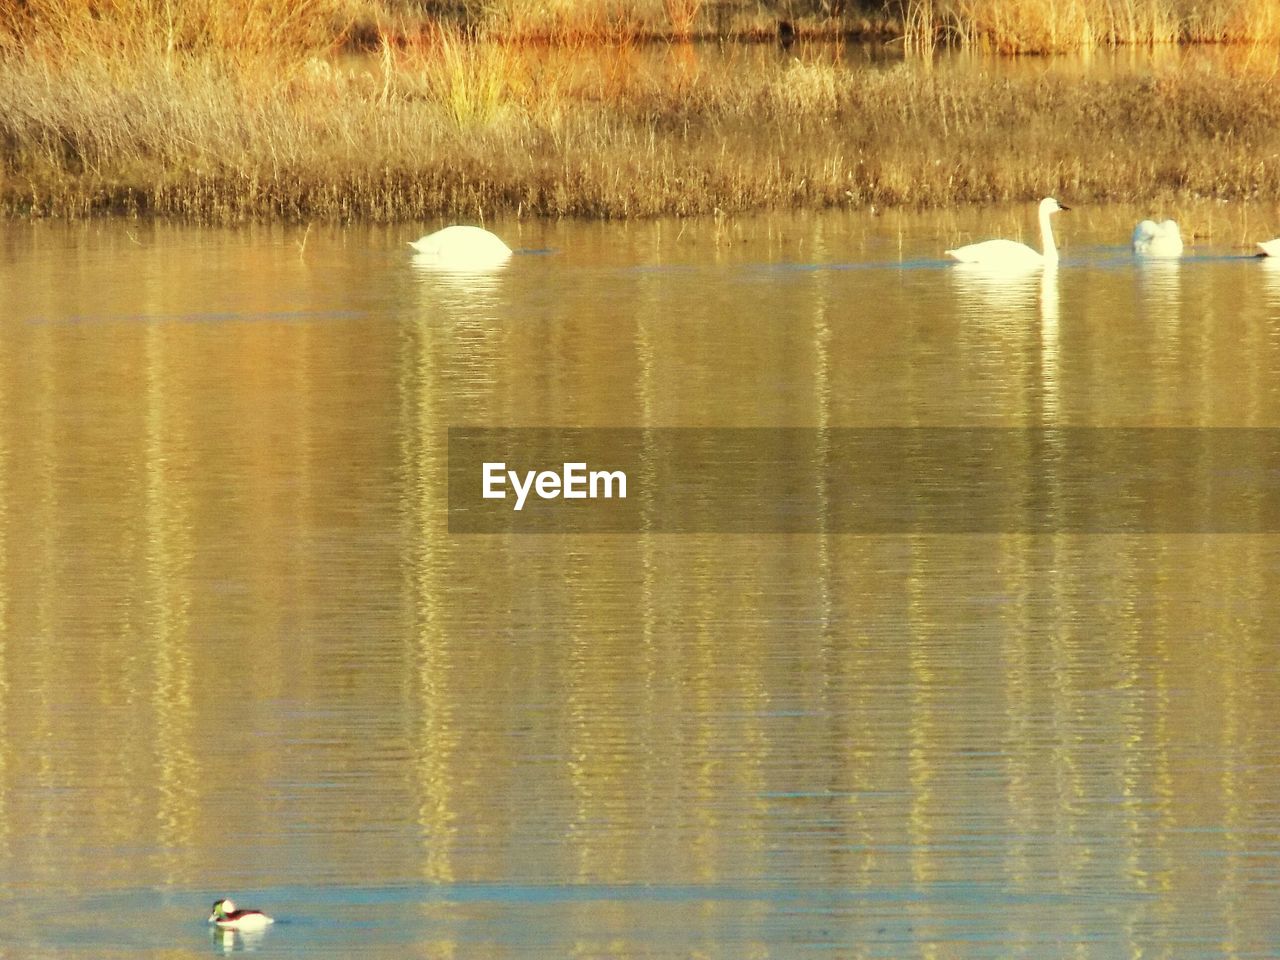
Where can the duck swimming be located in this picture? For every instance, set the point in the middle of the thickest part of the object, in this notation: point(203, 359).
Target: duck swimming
point(227, 917)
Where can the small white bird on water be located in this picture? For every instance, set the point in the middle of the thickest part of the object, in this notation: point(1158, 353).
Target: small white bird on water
point(1270, 248)
point(1151, 239)
point(227, 917)
point(462, 248)
point(1012, 255)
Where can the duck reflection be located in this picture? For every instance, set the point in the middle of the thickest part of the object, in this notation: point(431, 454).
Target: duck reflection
point(237, 941)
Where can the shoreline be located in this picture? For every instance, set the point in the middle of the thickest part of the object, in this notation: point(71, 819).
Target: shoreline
point(477, 131)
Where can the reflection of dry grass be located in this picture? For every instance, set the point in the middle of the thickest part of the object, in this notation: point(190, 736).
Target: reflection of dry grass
point(474, 128)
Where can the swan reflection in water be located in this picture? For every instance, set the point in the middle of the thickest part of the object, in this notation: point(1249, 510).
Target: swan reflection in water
point(996, 292)
point(1159, 286)
point(1007, 305)
point(1270, 267)
point(473, 285)
point(466, 260)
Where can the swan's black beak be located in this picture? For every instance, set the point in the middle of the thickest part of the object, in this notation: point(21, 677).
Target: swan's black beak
point(1063, 206)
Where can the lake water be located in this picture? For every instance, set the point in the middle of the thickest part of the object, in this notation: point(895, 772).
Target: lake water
point(243, 656)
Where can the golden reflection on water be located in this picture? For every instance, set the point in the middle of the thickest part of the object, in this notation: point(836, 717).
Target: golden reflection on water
point(6, 483)
point(1270, 267)
point(241, 647)
point(46, 595)
point(167, 562)
point(434, 741)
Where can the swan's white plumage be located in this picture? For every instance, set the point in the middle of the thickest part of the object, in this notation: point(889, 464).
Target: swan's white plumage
point(999, 253)
point(1151, 239)
point(1270, 248)
point(1011, 255)
point(462, 248)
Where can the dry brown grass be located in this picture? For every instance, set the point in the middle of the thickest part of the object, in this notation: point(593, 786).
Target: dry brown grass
point(1051, 26)
point(473, 129)
point(166, 114)
point(1235, 21)
point(169, 28)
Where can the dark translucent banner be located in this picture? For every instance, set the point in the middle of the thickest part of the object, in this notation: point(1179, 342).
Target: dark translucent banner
point(864, 480)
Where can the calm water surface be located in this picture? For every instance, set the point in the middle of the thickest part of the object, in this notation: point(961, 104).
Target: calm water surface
point(241, 655)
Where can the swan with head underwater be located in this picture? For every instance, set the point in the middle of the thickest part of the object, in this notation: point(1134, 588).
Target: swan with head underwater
point(461, 248)
point(1269, 248)
point(1012, 255)
point(1151, 239)
point(226, 917)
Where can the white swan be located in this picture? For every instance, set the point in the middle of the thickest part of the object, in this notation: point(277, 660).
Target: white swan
point(1270, 248)
point(461, 248)
point(1011, 255)
point(1151, 239)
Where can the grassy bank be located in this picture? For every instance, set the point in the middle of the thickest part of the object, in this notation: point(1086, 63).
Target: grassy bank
point(231, 25)
point(1010, 26)
point(173, 116)
point(1052, 26)
point(473, 132)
